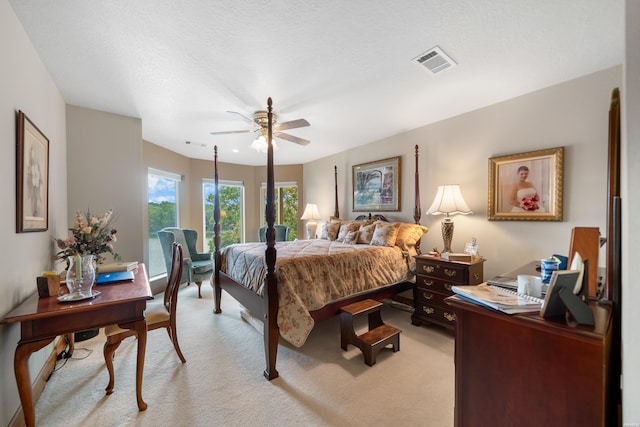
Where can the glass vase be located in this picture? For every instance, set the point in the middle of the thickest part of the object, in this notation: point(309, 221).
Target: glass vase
point(81, 275)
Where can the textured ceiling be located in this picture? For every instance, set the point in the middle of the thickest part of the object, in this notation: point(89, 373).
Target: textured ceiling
point(345, 66)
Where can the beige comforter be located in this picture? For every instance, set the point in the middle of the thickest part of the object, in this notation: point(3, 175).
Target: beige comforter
point(313, 273)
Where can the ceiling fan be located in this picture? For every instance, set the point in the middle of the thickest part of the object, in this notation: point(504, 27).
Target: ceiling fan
point(260, 122)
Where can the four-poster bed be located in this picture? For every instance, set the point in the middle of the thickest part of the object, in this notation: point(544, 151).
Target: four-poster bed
point(289, 298)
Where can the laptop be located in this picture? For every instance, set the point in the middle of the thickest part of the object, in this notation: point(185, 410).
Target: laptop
point(114, 277)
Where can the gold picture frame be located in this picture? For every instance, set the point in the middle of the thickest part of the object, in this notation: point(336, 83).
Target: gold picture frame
point(32, 176)
point(526, 186)
point(376, 186)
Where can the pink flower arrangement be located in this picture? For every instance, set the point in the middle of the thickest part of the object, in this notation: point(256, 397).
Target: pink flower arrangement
point(529, 203)
point(90, 235)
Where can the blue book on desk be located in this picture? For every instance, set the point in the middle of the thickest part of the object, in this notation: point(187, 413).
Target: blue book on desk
point(114, 277)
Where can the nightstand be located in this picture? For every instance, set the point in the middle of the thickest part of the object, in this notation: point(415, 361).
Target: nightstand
point(434, 279)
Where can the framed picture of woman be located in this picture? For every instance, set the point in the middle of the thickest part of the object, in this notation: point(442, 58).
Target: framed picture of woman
point(526, 186)
point(32, 176)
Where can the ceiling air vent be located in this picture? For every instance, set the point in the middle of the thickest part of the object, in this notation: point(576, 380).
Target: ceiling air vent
point(435, 60)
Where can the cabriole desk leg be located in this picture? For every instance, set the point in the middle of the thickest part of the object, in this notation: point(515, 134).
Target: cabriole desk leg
point(23, 380)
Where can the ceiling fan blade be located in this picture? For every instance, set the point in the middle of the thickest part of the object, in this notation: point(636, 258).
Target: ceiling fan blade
point(227, 132)
point(292, 138)
point(300, 123)
point(247, 119)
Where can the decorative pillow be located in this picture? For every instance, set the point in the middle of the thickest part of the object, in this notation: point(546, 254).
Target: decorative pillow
point(385, 234)
point(351, 238)
point(330, 230)
point(345, 228)
point(409, 234)
point(366, 233)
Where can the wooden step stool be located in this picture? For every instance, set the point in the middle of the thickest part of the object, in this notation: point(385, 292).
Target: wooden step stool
point(379, 335)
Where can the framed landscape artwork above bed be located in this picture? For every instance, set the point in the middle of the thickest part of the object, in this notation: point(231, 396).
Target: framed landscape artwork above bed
point(376, 186)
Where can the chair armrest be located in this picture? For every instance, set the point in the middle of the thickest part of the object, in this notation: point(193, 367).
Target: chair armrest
point(205, 256)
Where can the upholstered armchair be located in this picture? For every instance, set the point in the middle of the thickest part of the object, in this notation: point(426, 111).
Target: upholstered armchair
point(282, 233)
point(196, 266)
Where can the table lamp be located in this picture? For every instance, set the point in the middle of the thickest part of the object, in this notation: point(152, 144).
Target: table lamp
point(448, 201)
point(311, 214)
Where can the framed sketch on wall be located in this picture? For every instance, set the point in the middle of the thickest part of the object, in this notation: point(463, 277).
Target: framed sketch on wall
point(32, 177)
point(376, 186)
point(526, 186)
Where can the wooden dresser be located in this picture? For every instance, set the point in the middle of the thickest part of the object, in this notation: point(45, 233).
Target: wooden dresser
point(434, 279)
point(524, 370)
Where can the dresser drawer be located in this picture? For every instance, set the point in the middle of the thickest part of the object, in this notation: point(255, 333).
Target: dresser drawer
point(432, 284)
point(440, 315)
point(451, 272)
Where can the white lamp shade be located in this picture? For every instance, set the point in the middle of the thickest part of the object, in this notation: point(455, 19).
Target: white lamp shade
point(449, 201)
point(311, 212)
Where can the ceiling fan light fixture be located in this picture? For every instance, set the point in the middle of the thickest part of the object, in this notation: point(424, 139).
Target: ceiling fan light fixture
point(260, 144)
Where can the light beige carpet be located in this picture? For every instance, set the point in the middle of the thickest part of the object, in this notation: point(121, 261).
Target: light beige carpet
point(222, 383)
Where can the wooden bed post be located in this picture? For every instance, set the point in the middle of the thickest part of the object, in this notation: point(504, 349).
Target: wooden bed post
point(217, 291)
point(417, 213)
point(271, 333)
point(336, 211)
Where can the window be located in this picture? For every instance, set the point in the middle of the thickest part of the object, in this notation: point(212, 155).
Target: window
point(163, 212)
point(286, 195)
point(231, 212)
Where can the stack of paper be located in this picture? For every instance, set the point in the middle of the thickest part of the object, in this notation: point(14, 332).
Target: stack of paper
point(499, 298)
point(117, 266)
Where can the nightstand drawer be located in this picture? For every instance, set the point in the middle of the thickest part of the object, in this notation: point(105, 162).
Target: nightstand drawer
point(429, 297)
point(431, 284)
point(450, 272)
point(435, 279)
point(439, 315)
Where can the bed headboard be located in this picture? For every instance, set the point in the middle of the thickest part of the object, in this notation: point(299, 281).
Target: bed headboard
point(372, 217)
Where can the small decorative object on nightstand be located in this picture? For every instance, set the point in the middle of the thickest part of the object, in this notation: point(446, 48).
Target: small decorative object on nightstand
point(434, 279)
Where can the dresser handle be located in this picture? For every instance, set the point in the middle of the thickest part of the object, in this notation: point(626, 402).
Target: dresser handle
point(476, 276)
point(428, 310)
point(427, 282)
point(427, 295)
point(450, 273)
point(451, 317)
point(428, 268)
point(448, 286)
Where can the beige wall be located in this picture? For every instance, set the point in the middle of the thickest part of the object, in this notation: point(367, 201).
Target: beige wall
point(456, 151)
point(104, 166)
point(630, 178)
point(25, 85)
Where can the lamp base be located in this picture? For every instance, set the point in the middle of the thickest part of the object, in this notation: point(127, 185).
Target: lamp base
point(312, 226)
point(447, 234)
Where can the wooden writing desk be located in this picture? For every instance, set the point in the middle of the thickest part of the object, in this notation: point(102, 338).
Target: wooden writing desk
point(43, 319)
point(527, 371)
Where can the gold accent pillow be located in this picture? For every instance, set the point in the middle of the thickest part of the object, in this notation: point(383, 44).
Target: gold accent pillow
point(385, 234)
point(366, 233)
point(330, 230)
point(351, 238)
point(346, 228)
point(409, 234)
